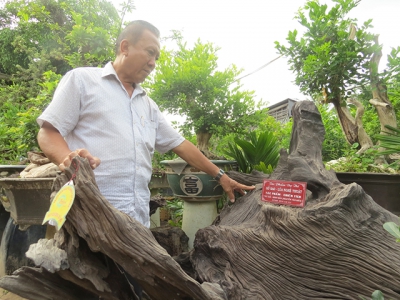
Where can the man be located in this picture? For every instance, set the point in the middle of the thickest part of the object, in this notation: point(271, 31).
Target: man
point(103, 114)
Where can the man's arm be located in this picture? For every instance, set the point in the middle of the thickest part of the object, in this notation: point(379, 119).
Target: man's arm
point(56, 148)
point(193, 156)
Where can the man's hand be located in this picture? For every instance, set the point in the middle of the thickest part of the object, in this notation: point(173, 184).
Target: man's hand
point(188, 152)
point(93, 161)
point(229, 185)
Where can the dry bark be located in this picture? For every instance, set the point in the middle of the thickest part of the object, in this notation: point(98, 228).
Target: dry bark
point(380, 99)
point(363, 137)
point(156, 202)
point(124, 240)
point(38, 284)
point(172, 239)
point(95, 231)
point(333, 248)
point(347, 122)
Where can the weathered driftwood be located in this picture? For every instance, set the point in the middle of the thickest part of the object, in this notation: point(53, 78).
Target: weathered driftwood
point(172, 239)
point(94, 221)
point(333, 248)
point(32, 283)
point(156, 202)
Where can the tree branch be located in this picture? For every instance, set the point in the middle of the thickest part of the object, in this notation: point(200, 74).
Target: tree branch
point(376, 102)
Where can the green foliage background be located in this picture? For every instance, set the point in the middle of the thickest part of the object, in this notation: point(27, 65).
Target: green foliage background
point(324, 57)
point(40, 41)
point(187, 82)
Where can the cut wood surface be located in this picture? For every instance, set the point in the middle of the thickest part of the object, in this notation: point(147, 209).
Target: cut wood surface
point(333, 248)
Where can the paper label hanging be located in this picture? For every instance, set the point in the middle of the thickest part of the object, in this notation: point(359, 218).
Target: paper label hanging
point(60, 206)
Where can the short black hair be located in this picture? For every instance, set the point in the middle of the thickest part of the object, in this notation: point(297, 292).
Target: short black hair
point(133, 32)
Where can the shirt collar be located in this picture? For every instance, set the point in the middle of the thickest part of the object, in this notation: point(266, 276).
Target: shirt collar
point(109, 70)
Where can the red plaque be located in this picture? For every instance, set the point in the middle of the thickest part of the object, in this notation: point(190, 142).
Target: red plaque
point(292, 193)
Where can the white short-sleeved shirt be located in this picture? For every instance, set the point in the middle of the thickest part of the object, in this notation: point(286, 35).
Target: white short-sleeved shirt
point(91, 109)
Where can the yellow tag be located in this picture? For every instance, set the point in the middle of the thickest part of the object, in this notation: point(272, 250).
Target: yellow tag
point(60, 206)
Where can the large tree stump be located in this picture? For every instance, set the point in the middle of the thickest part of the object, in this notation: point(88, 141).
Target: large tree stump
point(333, 248)
point(92, 221)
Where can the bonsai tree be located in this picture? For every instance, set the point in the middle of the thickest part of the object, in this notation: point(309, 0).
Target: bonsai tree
point(337, 59)
point(187, 82)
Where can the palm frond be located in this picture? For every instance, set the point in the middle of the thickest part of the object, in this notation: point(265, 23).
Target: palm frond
point(261, 152)
point(390, 141)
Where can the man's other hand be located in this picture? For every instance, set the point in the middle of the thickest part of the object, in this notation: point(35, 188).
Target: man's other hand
point(93, 161)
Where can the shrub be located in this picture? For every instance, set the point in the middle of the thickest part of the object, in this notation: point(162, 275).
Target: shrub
point(260, 153)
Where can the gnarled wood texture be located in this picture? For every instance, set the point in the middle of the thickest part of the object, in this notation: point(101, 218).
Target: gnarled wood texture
point(333, 248)
point(124, 240)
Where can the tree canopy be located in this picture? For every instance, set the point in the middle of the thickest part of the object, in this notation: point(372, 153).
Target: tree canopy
point(69, 33)
point(325, 59)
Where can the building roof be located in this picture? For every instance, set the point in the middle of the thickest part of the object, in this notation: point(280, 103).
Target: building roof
point(287, 100)
point(282, 111)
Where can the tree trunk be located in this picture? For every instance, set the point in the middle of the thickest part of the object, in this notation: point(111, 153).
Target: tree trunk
point(380, 101)
point(363, 138)
point(347, 123)
point(93, 225)
point(203, 144)
point(203, 141)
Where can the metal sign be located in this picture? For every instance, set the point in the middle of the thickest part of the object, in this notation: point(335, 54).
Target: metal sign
point(291, 193)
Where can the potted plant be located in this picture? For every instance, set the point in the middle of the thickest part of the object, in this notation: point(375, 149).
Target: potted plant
point(260, 152)
point(198, 190)
point(380, 181)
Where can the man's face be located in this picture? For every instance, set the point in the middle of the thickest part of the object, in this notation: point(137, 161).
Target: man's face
point(141, 57)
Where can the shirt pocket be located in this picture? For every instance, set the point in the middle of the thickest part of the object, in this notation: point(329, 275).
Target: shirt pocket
point(149, 134)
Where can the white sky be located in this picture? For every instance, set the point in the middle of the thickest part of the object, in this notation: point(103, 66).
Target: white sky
point(246, 30)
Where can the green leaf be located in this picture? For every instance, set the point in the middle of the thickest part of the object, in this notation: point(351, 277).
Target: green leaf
point(393, 229)
point(377, 295)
